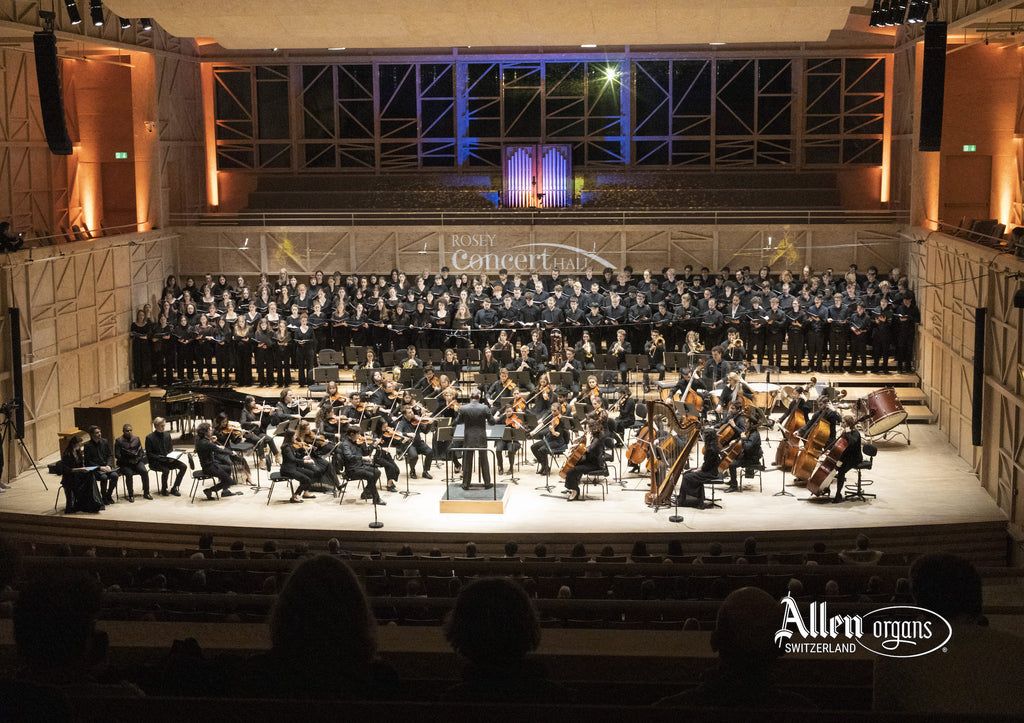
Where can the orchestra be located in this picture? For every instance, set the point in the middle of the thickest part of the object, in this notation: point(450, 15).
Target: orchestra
point(532, 350)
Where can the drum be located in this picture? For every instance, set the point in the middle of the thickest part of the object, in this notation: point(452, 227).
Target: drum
point(883, 411)
point(764, 394)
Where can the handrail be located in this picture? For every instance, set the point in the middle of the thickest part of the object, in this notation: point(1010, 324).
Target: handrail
point(537, 217)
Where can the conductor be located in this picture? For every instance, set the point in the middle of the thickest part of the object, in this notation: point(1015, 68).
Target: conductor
point(474, 416)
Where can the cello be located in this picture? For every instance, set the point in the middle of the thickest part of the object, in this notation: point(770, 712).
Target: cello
point(789, 447)
point(825, 473)
point(578, 451)
point(734, 451)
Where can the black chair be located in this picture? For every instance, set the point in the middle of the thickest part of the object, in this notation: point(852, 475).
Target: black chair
point(858, 492)
point(197, 477)
point(276, 477)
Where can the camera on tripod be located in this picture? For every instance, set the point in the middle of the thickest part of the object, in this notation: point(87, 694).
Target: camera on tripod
point(7, 408)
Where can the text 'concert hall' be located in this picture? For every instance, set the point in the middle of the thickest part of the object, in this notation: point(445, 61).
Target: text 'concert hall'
point(512, 361)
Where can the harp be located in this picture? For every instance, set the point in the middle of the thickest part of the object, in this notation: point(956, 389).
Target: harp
point(667, 458)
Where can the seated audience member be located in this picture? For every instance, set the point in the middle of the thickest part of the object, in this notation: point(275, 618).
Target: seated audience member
point(977, 672)
point(323, 639)
point(862, 554)
point(494, 627)
point(57, 640)
point(744, 639)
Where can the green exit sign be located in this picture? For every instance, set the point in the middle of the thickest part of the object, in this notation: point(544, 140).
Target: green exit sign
point(123, 155)
point(970, 148)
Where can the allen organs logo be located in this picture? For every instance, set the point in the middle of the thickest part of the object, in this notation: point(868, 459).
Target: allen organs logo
point(897, 631)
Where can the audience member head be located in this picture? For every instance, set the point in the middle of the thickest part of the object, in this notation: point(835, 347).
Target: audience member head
point(493, 623)
point(564, 593)
point(511, 548)
point(540, 550)
point(579, 550)
point(863, 543)
point(206, 541)
point(405, 551)
point(831, 588)
point(744, 636)
point(794, 587)
point(470, 549)
point(639, 549)
point(675, 547)
point(948, 585)
point(334, 546)
point(322, 614)
point(691, 624)
point(750, 546)
point(715, 549)
point(607, 551)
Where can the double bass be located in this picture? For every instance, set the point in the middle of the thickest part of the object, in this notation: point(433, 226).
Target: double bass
point(789, 447)
point(814, 445)
point(665, 468)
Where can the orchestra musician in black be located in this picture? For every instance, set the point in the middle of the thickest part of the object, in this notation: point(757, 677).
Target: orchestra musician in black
point(158, 450)
point(592, 461)
point(96, 453)
point(130, 458)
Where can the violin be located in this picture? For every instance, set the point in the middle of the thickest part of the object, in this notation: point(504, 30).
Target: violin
point(512, 420)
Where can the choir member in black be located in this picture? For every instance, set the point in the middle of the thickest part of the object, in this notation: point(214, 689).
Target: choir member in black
point(796, 319)
point(162, 350)
point(304, 340)
point(412, 440)
point(619, 350)
point(595, 320)
point(881, 341)
point(359, 465)
point(139, 333)
point(574, 318)
point(226, 433)
point(756, 329)
point(551, 316)
point(81, 493)
point(508, 314)
point(686, 316)
point(96, 453)
point(817, 322)
point(691, 490)
point(554, 438)
point(183, 339)
point(860, 326)
point(283, 353)
point(255, 419)
point(838, 336)
point(750, 458)
point(439, 324)
point(655, 351)
point(501, 390)
point(205, 336)
point(223, 343)
point(824, 409)
point(130, 462)
point(775, 332)
point(158, 449)
point(592, 461)
point(297, 464)
point(713, 324)
point(215, 460)
point(510, 418)
point(906, 317)
point(851, 456)
point(485, 320)
point(264, 353)
point(735, 316)
point(474, 416)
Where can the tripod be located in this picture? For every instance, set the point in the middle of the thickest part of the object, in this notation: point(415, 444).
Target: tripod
point(6, 433)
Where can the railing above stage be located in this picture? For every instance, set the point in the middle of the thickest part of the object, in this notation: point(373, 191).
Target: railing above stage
point(543, 217)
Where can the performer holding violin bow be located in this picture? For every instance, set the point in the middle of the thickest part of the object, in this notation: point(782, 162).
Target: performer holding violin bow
point(845, 454)
point(510, 418)
point(255, 419)
point(359, 464)
point(410, 428)
point(554, 438)
point(226, 432)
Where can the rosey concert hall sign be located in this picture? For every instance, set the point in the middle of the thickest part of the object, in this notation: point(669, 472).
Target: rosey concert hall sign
point(486, 252)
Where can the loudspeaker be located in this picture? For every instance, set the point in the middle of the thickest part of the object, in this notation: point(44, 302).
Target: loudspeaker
point(933, 86)
point(51, 99)
point(979, 375)
point(14, 321)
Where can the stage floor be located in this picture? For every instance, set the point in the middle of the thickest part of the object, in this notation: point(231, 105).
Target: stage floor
point(924, 483)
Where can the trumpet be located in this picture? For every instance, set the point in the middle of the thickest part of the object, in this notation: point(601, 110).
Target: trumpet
point(616, 348)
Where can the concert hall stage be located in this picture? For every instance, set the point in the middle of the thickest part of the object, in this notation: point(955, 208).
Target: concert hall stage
point(923, 484)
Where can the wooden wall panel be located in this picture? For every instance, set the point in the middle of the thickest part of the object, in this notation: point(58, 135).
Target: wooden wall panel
point(954, 278)
point(76, 303)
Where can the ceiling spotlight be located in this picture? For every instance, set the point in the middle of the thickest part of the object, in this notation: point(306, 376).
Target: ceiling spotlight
point(918, 12)
point(897, 11)
point(96, 12)
point(146, 23)
point(125, 23)
point(73, 15)
point(611, 73)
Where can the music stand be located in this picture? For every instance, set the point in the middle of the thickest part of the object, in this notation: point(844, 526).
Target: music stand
point(410, 376)
point(514, 435)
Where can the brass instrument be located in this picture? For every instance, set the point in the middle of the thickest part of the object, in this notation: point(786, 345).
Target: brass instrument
point(409, 364)
point(660, 341)
point(616, 348)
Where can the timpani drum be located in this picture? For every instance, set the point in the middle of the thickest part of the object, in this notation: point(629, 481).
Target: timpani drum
point(882, 410)
point(765, 394)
